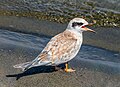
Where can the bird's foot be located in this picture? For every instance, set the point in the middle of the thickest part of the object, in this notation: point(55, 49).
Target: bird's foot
point(70, 70)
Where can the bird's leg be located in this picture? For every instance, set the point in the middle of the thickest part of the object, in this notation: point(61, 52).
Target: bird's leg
point(68, 70)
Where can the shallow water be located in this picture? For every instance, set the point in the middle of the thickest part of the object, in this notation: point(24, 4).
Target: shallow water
point(88, 57)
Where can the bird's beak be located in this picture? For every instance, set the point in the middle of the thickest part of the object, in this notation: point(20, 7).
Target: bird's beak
point(87, 29)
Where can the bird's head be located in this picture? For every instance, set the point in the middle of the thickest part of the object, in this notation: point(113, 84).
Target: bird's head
point(79, 24)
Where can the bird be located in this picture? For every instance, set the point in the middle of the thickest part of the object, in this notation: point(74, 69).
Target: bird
point(62, 48)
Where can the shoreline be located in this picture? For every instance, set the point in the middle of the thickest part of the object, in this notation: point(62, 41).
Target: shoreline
point(55, 11)
point(106, 37)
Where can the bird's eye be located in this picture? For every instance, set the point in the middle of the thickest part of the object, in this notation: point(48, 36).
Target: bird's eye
point(80, 23)
point(77, 24)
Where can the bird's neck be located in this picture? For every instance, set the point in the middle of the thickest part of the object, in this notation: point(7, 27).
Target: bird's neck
point(76, 33)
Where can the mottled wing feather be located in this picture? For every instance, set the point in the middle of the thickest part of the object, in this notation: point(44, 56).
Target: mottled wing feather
point(59, 47)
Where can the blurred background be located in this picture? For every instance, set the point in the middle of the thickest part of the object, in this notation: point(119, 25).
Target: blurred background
point(104, 12)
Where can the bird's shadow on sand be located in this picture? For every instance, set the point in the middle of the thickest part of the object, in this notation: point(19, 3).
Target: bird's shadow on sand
point(36, 70)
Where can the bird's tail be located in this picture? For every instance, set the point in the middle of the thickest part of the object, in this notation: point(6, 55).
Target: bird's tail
point(23, 66)
point(27, 65)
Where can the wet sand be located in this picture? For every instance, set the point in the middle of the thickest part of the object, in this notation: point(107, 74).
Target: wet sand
point(85, 76)
point(106, 37)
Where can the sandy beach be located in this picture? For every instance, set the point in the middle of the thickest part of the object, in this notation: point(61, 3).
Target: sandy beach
point(95, 66)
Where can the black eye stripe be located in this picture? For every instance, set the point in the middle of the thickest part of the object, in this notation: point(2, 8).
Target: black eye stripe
point(77, 23)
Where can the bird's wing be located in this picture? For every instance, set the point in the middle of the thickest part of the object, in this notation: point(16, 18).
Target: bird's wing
point(59, 46)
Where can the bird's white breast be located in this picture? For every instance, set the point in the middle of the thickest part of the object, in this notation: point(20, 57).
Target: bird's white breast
point(79, 38)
